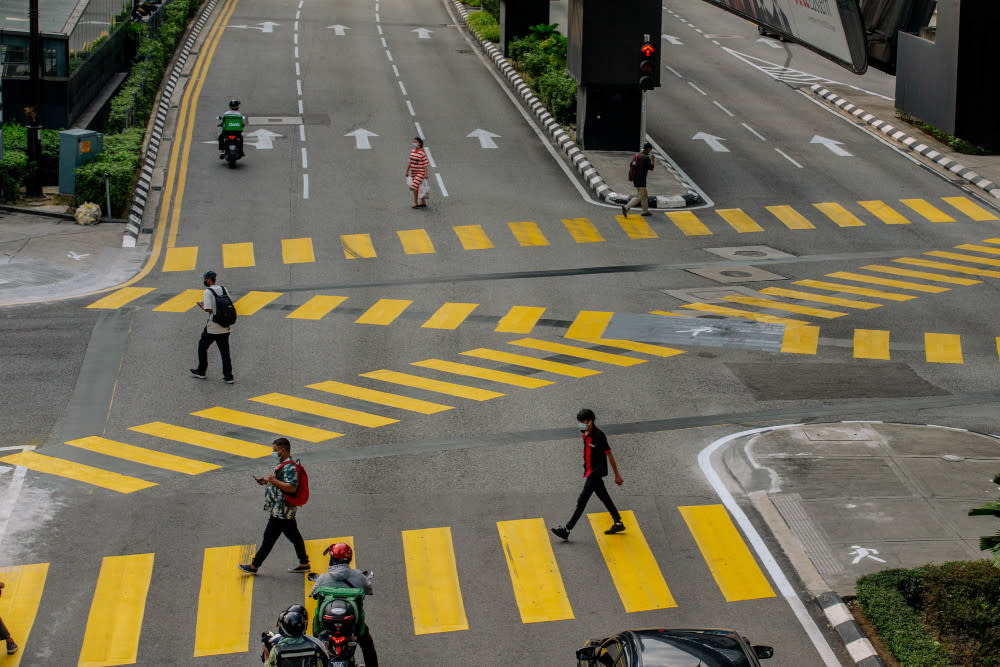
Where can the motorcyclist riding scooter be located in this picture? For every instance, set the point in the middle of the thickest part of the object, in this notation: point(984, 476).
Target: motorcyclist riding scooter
point(340, 615)
point(232, 123)
point(291, 646)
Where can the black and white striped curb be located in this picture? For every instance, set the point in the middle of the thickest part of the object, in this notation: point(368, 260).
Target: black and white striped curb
point(908, 141)
point(590, 174)
point(133, 225)
point(842, 620)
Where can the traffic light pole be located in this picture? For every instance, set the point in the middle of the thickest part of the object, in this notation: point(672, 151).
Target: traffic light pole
point(642, 122)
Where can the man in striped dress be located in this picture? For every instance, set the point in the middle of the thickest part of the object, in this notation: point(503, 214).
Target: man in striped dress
point(416, 173)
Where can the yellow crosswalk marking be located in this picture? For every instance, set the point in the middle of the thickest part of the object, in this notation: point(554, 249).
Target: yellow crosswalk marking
point(729, 559)
point(324, 410)
point(589, 325)
point(268, 424)
point(972, 259)
point(884, 212)
point(840, 215)
point(357, 246)
point(943, 348)
point(531, 362)
point(297, 251)
point(503, 377)
point(519, 320)
point(972, 247)
point(181, 303)
point(739, 220)
point(77, 471)
point(224, 602)
point(473, 237)
point(316, 308)
point(926, 275)
point(251, 302)
point(432, 581)
point(888, 282)
point(971, 209)
point(745, 314)
point(632, 565)
point(318, 560)
point(528, 233)
point(582, 230)
point(636, 227)
point(852, 289)
point(668, 313)
point(384, 312)
point(998, 345)
point(121, 297)
point(928, 210)
point(800, 340)
point(534, 573)
point(449, 316)
point(439, 386)
point(181, 259)
point(415, 241)
point(22, 593)
point(116, 611)
point(780, 305)
point(195, 438)
point(380, 397)
point(149, 457)
point(820, 298)
point(871, 344)
point(237, 255)
point(574, 351)
point(688, 223)
point(790, 217)
point(944, 266)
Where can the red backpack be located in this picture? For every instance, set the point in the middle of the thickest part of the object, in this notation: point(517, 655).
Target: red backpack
point(632, 168)
point(301, 495)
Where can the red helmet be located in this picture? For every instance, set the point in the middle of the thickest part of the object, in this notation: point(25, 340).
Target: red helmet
point(340, 552)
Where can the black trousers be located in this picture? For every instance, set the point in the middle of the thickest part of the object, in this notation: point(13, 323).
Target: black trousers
point(222, 342)
point(275, 527)
point(367, 645)
point(593, 485)
point(5, 633)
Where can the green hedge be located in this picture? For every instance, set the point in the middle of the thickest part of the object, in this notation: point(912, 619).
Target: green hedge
point(540, 58)
point(13, 170)
point(487, 26)
point(493, 7)
point(120, 159)
point(15, 138)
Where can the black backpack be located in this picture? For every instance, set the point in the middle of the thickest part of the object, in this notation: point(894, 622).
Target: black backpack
point(302, 653)
point(224, 313)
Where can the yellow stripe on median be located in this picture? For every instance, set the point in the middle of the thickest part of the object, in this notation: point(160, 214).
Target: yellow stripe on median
point(636, 227)
point(582, 230)
point(739, 220)
point(149, 457)
point(800, 340)
point(473, 237)
point(357, 246)
point(852, 289)
point(190, 436)
point(116, 611)
point(528, 234)
point(943, 348)
point(237, 255)
point(519, 320)
point(884, 212)
point(120, 298)
point(22, 593)
point(316, 308)
point(384, 312)
point(531, 362)
point(181, 303)
point(534, 573)
point(251, 302)
point(972, 210)
point(180, 259)
point(574, 351)
point(380, 397)
point(267, 424)
point(790, 218)
point(925, 275)
point(415, 241)
point(432, 581)
point(78, 472)
point(324, 410)
point(439, 386)
point(820, 298)
point(449, 316)
point(871, 344)
point(297, 251)
point(224, 602)
point(503, 377)
point(840, 215)
point(888, 282)
point(688, 223)
point(633, 567)
point(928, 210)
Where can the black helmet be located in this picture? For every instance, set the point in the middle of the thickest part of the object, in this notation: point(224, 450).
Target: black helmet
point(234, 104)
point(339, 618)
point(293, 621)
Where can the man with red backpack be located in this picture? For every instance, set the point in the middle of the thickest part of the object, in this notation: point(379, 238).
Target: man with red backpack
point(286, 489)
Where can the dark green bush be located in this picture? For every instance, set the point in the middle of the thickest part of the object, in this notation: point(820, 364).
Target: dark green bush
point(90, 180)
point(493, 7)
point(517, 48)
point(557, 91)
point(899, 626)
point(962, 600)
point(13, 170)
point(485, 25)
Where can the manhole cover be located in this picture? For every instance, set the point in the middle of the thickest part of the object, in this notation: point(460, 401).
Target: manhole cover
point(736, 274)
point(750, 253)
point(740, 252)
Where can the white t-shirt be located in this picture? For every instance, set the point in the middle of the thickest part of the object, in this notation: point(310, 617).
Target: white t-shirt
point(209, 300)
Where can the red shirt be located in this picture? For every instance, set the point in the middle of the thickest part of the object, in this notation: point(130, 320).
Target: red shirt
point(595, 453)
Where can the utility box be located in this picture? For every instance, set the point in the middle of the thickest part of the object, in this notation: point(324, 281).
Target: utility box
point(76, 147)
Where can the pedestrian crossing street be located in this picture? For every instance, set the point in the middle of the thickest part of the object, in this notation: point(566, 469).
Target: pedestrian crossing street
point(831, 215)
point(225, 608)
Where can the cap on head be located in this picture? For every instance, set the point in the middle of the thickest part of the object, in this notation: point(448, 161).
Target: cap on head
point(210, 275)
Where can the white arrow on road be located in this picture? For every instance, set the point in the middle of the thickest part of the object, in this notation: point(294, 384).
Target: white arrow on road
point(264, 139)
point(714, 142)
point(422, 33)
point(77, 256)
point(770, 42)
point(266, 26)
point(338, 29)
point(485, 138)
point(361, 138)
point(833, 145)
point(673, 40)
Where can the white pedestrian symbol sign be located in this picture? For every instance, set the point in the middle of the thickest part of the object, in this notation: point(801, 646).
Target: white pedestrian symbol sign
point(697, 330)
point(860, 553)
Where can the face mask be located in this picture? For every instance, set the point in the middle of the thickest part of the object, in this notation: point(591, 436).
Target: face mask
point(415, 144)
point(583, 427)
point(276, 456)
point(205, 282)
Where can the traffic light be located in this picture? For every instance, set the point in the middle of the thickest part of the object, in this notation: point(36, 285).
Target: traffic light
point(647, 65)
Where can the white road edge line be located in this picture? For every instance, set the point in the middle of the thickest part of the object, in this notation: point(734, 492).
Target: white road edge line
point(731, 114)
point(787, 157)
point(10, 499)
point(444, 193)
point(305, 186)
point(753, 132)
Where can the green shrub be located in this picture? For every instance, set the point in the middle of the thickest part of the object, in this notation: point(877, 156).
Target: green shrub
point(485, 25)
point(534, 63)
point(897, 623)
point(557, 91)
point(493, 7)
point(90, 180)
point(15, 137)
point(472, 3)
point(962, 600)
point(518, 48)
point(13, 170)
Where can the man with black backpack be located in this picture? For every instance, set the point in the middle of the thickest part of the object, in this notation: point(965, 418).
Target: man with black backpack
point(221, 316)
point(642, 164)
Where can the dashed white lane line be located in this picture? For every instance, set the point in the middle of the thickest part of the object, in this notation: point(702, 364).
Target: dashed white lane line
point(379, 29)
point(430, 158)
point(753, 132)
point(296, 53)
point(305, 186)
point(298, 87)
point(420, 131)
point(384, 45)
point(296, 22)
point(395, 70)
point(388, 54)
point(298, 70)
point(679, 75)
point(302, 133)
point(295, 38)
point(298, 15)
point(300, 108)
point(444, 192)
point(697, 88)
point(731, 114)
point(305, 158)
point(402, 88)
point(787, 157)
point(409, 107)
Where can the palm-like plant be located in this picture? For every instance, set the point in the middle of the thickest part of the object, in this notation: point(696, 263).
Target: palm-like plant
point(990, 542)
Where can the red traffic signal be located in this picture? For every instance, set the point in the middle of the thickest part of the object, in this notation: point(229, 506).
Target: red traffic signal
point(647, 49)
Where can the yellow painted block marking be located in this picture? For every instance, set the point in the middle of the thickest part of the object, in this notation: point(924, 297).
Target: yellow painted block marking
point(318, 562)
point(979, 248)
point(582, 230)
point(739, 220)
point(380, 397)
point(820, 298)
point(297, 251)
point(871, 344)
point(23, 585)
point(324, 410)
point(840, 215)
point(688, 223)
point(190, 436)
point(251, 302)
point(852, 289)
point(519, 320)
point(181, 259)
point(574, 351)
point(884, 212)
point(531, 362)
point(439, 386)
point(473, 237)
point(181, 303)
point(800, 340)
point(780, 305)
point(534, 573)
point(994, 240)
point(998, 345)
point(237, 255)
point(943, 348)
point(972, 259)
point(415, 241)
point(589, 325)
point(636, 227)
point(633, 567)
point(971, 209)
point(120, 297)
point(926, 275)
point(668, 313)
point(467, 370)
point(928, 210)
point(384, 312)
point(790, 217)
point(116, 611)
point(357, 246)
point(149, 457)
point(745, 314)
point(528, 233)
point(432, 580)
point(645, 348)
point(224, 601)
point(317, 307)
point(728, 558)
point(888, 282)
point(449, 316)
point(77, 471)
point(269, 424)
point(944, 266)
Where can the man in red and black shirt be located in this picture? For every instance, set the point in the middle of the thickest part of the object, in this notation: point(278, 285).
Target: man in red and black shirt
point(596, 454)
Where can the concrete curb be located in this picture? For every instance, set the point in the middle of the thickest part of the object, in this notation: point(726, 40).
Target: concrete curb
point(590, 175)
point(908, 141)
point(842, 620)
